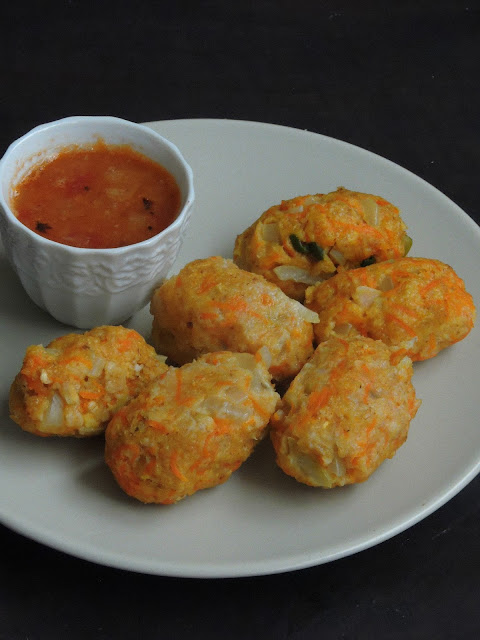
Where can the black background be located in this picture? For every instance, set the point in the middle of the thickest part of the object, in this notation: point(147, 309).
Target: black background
point(398, 78)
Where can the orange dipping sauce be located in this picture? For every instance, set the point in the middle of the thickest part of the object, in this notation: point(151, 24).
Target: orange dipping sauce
point(102, 196)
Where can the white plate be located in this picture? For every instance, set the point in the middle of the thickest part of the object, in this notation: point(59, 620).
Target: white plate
point(60, 493)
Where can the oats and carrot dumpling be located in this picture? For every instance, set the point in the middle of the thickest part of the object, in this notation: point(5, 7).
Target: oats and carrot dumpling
point(417, 306)
point(212, 305)
point(347, 411)
point(191, 428)
point(309, 238)
point(73, 386)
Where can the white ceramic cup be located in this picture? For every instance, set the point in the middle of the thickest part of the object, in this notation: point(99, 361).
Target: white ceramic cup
point(80, 286)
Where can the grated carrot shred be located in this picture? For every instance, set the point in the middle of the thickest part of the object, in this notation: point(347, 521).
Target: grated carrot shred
point(271, 260)
point(158, 426)
point(208, 315)
point(222, 426)
point(366, 392)
point(127, 342)
point(236, 305)
point(258, 408)
point(390, 317)
point(289, 250)
point(432, 344)
point(407, 311)
point(397, 356)
point(208, 283)
point(174, 467)
point(371, 425)
point(318, 399)
point(90, 395)
point(411, 405)
point(431, 285)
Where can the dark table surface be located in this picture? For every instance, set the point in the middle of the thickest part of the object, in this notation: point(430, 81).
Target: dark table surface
point(400, 79)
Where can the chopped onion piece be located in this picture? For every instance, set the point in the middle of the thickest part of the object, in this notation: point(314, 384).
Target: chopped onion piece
point(364, 296)
point(52, 352)
point(342, 329)
point(54, 417)
point(271, 233)
point(386, 284)
point(311, 200)
point(297, 209)
point(235, 394)
point(337, 467)
point(305, 313)
point(97, 367)
point(224, 409)
point(266, 356)
point(44, 377)
point(337, 256)
point(297, 274)
point(370, 209)
point(279, 414)
point(246, 361)
point(409, 344)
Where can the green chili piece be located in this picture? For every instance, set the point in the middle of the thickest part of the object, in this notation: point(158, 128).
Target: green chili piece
point(311, 249)
point(315, 250)
point(368, 261)
point(407, 244)
point(298, 245)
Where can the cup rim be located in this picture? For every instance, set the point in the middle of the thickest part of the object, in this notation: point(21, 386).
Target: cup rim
point(90, 251)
